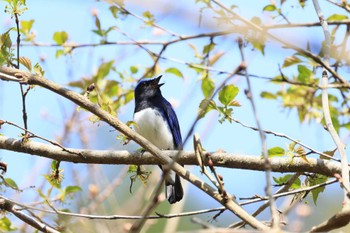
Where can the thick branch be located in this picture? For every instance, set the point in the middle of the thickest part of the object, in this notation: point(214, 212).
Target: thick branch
point(220, 159)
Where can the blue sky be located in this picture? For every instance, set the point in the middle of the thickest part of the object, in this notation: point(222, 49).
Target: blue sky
point(46, 110)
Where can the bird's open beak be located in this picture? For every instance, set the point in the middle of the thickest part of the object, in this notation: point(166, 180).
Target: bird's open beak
point(158, 79)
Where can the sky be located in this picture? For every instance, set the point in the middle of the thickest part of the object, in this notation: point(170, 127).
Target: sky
point(47, 111)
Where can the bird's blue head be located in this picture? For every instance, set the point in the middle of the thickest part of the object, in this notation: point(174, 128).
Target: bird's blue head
point(148, 88)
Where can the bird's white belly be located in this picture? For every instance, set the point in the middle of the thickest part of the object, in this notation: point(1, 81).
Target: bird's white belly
point(153, 127)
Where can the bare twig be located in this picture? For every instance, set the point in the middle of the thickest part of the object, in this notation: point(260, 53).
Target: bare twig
point(343, 5)
point(287, 137)
point(24, 94)
point(218, 182)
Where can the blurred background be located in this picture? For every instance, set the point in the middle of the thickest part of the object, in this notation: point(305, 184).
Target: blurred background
point(55, 118)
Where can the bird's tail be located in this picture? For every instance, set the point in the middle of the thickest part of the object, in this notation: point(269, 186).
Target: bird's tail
point(173, 188)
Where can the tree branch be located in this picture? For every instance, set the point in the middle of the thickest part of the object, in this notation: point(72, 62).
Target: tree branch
point(325, 105)
point(220, 159)
point(8, 206)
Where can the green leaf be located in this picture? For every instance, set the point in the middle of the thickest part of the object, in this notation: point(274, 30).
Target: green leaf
point(133, 69)
point(128, 97)
point(54, 164)
point(315, 180)
point(72, 189)
point(270, 7)
point(206, 106)
point(26, 62)
point(10, 182)
point(208, 86)
point(59, 52)
point(60, 37)
point(209, 47)
point(291, 60)
point(6, 39)
point(268, 95)
point(150, 18)
point(284, 179)
point(114, 10)
point(227, 94)
point(304, 74)
point(275, 151)
point(259, 45)
point(26, 26)
point(132, 168)
point(104, 69)
point(6, 225)
point(336, 17)
point(98, 23)
point(39, 70)
point(174, 71)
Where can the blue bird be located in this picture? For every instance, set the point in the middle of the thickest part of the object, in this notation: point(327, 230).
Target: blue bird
point(157, 122)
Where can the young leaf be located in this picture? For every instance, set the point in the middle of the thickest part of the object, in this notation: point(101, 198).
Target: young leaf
point(10, 182)
point(268, 95)
point(72, 189)
point(6, 225)
point(209, 47)
point(337, 17)
point(330, 153)
point(150, 18)
point(133, 69)
point(104, 69)
point(26, 62)
point(317, 179)
point(60, 37)
point(39, 70)
point(227, 94)
point(174, 71)
point(270, 7)
point(304, 74)
point(208, 86)
point(283, 180)
point(275, 151)
point(215, 57)
point(291, 60)
point(26, 26)
point(205, 106)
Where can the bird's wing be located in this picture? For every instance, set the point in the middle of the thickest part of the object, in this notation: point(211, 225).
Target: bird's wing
point(171, 117)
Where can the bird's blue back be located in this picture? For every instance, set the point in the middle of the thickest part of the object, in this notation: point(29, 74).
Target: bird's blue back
point(169, 114)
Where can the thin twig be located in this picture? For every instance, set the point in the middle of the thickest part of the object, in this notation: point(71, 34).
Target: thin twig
point(284, 188)
point(24, 94)
point(29, 134)
point(268, 188)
